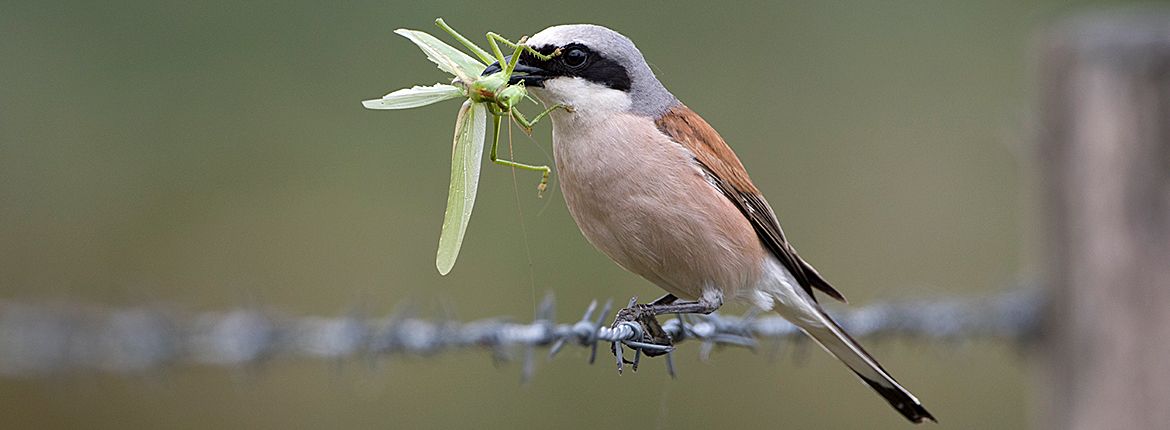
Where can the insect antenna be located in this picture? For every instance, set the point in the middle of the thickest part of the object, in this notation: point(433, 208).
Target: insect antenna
point(523, 224)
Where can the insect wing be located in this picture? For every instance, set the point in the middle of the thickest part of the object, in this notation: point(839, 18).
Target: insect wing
point(448, 58)
point(470, 128)
point(413, 97)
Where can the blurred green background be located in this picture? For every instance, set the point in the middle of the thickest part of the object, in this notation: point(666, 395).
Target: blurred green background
point(215, 154)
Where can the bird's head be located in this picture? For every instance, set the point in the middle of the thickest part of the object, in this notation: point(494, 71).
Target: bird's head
point(597, 71)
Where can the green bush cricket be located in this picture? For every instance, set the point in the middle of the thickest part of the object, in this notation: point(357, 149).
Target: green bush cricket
point(484, 94)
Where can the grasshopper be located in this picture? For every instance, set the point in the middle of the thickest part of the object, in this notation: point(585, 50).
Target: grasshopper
point(483, 94)
point(500, 97)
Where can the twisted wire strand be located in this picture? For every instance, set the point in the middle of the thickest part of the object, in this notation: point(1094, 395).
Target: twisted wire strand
point(52, 338)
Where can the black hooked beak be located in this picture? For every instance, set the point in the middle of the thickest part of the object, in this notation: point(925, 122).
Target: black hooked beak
point(530, 76)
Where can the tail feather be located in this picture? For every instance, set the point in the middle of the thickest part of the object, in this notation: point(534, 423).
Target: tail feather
point(836, 341)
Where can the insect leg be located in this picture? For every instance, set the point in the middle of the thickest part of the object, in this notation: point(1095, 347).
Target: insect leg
point(493, 38)
point(520, 45)
point(527, 124)
point(479, 52)
point(544, 170)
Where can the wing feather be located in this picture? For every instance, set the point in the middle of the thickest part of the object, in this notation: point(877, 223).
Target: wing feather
point(727, 174)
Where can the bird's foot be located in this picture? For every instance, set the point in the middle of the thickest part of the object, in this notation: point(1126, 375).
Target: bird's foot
point(654, 340)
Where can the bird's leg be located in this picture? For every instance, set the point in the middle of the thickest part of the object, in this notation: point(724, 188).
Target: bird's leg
point(665, 300)
point(645, 316)
point(669, 304)
point(652, 330)
point(704, 305)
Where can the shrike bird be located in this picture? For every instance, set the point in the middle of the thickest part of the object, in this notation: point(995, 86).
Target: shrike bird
point(656, 189)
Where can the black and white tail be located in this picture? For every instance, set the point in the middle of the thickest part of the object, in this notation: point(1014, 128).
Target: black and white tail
point(841, 345)
point(797, 306)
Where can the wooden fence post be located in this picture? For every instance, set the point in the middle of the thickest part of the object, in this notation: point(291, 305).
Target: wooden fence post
point(1104, 151)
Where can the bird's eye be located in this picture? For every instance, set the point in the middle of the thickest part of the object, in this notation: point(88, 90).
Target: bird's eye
point(575, 57)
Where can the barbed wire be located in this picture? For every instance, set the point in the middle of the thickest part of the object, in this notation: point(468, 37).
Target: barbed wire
point(51, 338)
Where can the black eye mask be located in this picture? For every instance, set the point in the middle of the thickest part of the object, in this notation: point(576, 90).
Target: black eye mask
point(578, 60)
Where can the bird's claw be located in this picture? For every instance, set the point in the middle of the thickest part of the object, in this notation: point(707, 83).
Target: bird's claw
point(654, 340)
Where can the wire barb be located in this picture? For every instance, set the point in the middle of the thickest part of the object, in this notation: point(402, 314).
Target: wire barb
point(54, 338)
